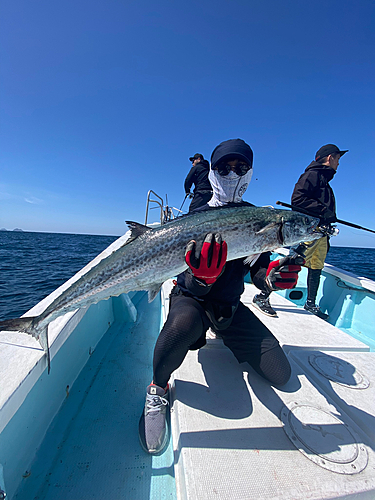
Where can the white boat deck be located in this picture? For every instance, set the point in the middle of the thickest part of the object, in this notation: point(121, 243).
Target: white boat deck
point(295, 328)
point(237, 437)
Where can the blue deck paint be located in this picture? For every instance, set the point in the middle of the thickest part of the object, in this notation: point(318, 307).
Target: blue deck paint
point(26, 430)
point(91, 449)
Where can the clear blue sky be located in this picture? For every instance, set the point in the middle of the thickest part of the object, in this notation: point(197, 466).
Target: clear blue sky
point(103, 100)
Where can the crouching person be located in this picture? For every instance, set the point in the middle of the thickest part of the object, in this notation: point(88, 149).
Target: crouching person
point(208, 294)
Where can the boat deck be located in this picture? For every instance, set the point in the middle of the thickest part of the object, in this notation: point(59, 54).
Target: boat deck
point(234, 435)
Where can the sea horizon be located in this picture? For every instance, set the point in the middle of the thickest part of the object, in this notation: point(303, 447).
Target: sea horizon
point(16, 230)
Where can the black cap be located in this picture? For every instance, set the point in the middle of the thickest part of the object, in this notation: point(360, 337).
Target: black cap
point(196, 156)
point(328, 149)
point(233, 148)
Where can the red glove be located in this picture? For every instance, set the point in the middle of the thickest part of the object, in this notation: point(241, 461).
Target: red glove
point(283, 273)
point(211, 261)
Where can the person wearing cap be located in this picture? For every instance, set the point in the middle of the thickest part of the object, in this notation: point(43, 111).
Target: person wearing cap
point(208, 294)
point(198, 176)
point(313, 192)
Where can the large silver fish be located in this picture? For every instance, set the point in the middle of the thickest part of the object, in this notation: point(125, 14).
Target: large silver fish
point(152, 255)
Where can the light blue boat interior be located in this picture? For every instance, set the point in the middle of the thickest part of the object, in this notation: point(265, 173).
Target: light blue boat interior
point(351, 308)
point(80, 441)
point(96, 424)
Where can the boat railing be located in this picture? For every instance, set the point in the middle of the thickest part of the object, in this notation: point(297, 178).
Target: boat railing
point(166, 212)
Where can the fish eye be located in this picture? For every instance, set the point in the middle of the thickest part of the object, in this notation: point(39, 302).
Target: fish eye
point(307, 220)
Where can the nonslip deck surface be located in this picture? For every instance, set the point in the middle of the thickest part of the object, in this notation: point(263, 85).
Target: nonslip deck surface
point(235, 436)
point(296, 328)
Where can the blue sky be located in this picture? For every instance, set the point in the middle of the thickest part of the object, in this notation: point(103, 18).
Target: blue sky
point(102, 101)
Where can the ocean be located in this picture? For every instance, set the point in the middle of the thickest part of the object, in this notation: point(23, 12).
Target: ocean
point(32, 265)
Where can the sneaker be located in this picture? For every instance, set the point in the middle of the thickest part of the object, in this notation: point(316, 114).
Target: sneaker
point(153, 424)
point(314, 309)
point(263, 304)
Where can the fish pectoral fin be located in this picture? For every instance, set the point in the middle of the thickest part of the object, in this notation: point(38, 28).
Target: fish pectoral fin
point(152, 292)
point(136, 229)
point(269, 227)
point(43, 341)
point(251, 259)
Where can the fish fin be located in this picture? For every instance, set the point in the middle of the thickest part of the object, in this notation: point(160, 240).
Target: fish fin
point(23, 325)
point(152, 292)
point(43, 341)
point(26, 325)
point(269, 226)
point(251, 259)
point(136, 229)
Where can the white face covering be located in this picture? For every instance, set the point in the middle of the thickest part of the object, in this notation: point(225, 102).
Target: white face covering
point(228, 188)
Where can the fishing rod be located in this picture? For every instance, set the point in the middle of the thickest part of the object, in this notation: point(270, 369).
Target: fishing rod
point(187, 194)
point(303, 211)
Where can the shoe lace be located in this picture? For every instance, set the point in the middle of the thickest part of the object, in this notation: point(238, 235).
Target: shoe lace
point(314, 308)
point(155, 403)
point(263, 302)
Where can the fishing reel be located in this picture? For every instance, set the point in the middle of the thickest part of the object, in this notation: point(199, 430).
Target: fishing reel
point(328, 230)
point(298, 253)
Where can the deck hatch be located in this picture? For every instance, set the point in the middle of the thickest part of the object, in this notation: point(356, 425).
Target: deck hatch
point(339, 371)
point(324, 439)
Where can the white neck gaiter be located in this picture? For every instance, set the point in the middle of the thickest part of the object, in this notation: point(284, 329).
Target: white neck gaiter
point(228, 188)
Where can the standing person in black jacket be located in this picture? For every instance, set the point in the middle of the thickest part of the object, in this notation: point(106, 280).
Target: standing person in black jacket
point(207, 295)
point(198, 176)
point(312, 192)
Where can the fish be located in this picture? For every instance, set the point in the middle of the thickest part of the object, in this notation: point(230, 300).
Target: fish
point(151, 256)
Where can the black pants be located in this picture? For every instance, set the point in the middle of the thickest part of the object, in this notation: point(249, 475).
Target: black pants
point(246, 337)
point(199, 200)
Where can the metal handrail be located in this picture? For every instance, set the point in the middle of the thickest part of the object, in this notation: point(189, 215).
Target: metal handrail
point(166, 212)
point(154, 201)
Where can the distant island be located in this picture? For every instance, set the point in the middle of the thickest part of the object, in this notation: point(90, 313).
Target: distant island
point(17, 229)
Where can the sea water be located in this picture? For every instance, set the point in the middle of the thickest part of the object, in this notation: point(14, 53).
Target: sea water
point(32, 265)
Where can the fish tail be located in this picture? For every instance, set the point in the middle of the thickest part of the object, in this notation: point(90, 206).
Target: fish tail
point(17, 325)
point(26, 325)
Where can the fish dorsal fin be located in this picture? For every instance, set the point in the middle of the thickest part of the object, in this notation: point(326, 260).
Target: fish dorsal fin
point(136, 229)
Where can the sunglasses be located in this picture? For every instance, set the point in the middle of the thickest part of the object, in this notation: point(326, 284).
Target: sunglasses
point(224, 169)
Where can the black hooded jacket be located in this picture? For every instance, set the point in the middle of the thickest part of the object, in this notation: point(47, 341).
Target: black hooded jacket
point(313, 192)
point(198, 175)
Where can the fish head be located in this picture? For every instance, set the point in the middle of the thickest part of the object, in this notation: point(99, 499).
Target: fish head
point(296, 228)
point(264, 229)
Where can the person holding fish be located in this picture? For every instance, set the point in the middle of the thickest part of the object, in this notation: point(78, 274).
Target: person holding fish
point(208, 294)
